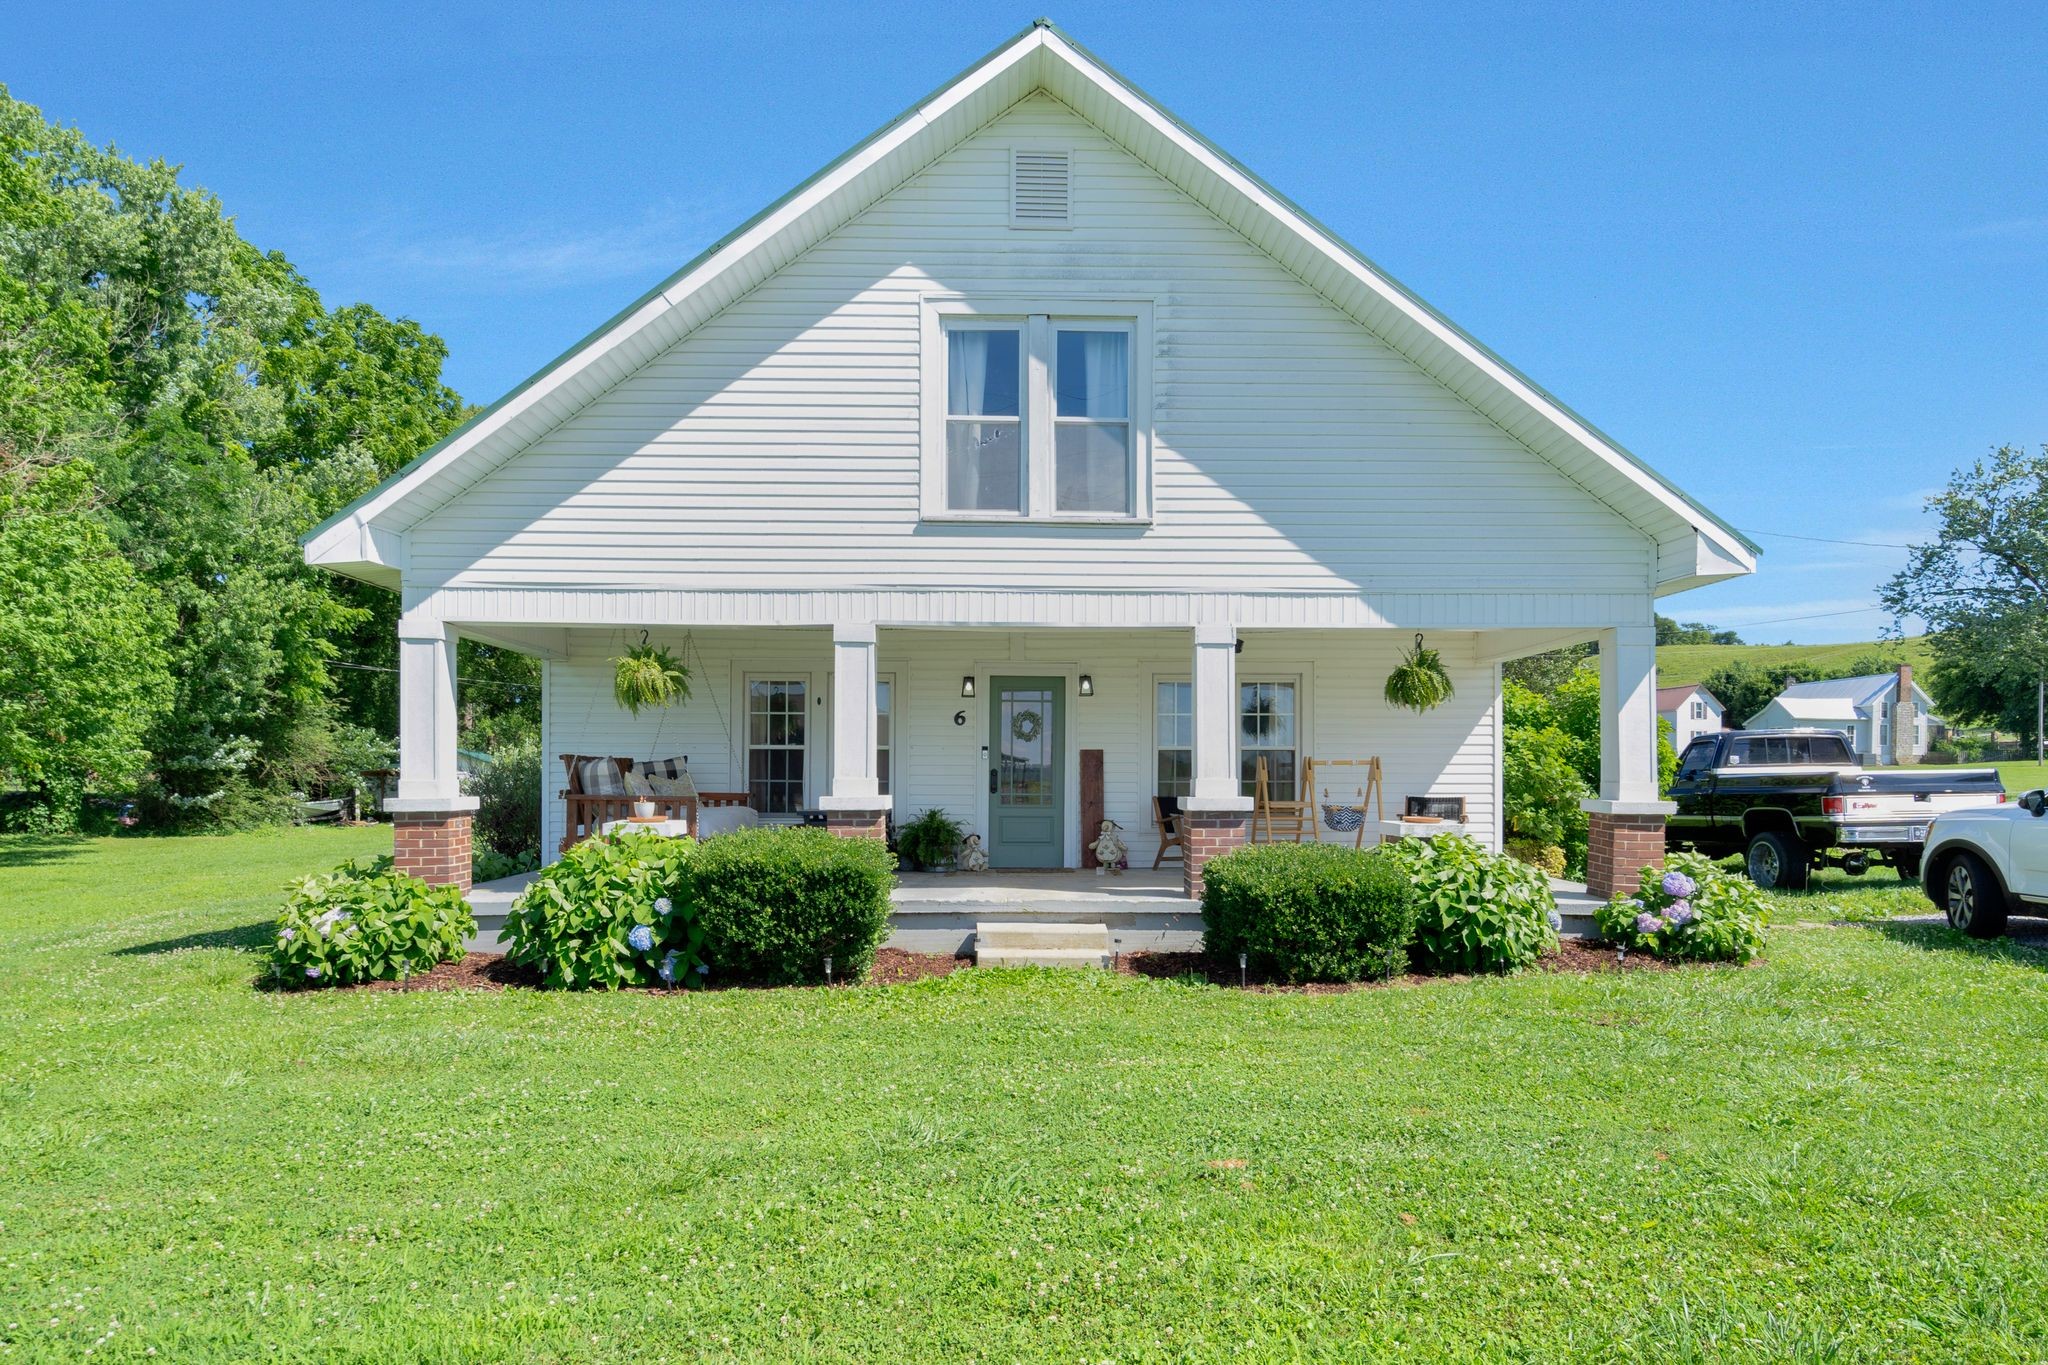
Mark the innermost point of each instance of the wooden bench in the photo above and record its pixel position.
(585, 813)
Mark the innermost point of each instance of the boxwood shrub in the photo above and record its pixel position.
(618, 910)
(775, 901)
(1308, 912)
(1690, 910)
(1480, 911)
(365, 922)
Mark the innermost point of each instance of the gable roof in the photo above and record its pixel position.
(1671, 698)
(1843, 698)
(365, 539)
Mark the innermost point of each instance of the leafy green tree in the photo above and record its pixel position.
(1982, 586)
(1670, 632)
(83, 673)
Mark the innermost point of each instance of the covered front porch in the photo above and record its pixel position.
(1030, 737)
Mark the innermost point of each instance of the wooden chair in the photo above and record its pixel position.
(1166, 818)
(1274, 820)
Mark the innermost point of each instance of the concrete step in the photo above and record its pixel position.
(1015, 944)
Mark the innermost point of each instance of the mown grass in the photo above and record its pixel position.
(1831, 1155)
(1678, 664)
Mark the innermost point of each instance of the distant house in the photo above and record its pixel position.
(1869, 708)
(1691, 711)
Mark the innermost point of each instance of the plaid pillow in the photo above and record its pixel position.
(600, 777)
(667, 777)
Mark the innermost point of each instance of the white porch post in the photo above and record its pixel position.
(854, 806)
(430, 815)
(1215, 704)
(1216, 816)
(1626, 821)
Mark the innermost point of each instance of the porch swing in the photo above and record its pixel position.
(1342, 818)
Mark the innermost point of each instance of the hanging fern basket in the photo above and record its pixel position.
(1419, 682)
(649, 675)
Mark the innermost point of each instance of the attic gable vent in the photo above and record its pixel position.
(1041, 187)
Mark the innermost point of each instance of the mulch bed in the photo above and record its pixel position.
(893, 966)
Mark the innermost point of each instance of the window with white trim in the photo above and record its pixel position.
(1268, 726)
(778, 719)
(885, 700)
(1037, 415)
(1699, 710)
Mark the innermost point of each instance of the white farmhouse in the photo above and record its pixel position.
(1874, 709)
(1690, 711)
(1033, 458)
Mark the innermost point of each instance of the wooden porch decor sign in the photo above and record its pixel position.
(1091, 803)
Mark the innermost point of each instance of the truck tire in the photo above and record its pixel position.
(1971, 897)
(1776, 862)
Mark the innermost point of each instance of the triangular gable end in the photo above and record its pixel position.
(366, 539)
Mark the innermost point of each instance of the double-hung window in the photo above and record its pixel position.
(1268, 727)
(1037, 415)
(777, 719)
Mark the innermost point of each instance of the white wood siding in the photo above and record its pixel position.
(777, 446)
(1451, 751)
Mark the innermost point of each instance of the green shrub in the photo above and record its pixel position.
(1308, 912)
(508, 800)
(365, 922)
(1545, 858)
(1690, 910)
(489, 865)
(776, 901)
(613, 911)
(1480, 911)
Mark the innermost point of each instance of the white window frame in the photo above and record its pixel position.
(1298, 680)
(1038, 319)
(894, 712)
(816, 741)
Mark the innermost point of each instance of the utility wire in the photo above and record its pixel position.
(386, 668)
(1830, 540)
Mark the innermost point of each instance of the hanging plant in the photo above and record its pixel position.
(1419, 682)
(649, 675)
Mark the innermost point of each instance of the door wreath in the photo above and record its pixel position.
(1025, 726)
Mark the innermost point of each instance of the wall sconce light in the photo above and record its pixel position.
(1238, 648)
(967, 685)
(1087, 685)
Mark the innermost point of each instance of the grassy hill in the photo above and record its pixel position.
(1689, 663)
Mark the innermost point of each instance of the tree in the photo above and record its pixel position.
(1982, 583)
(83, 673)
(1670, 632)
(1545, 673)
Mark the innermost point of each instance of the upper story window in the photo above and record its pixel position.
(1037, 415)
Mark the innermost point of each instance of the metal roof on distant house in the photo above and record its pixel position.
(1671, 698)
(1842, 698)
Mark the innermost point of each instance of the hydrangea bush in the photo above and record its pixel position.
(1480, 911)
(365, 922)
(619, 910)
(1692, 910)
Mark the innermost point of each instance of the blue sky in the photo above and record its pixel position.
(1795, 256)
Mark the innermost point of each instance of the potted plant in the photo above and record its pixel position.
(1419, 682)
(649, 675)
(930, 840)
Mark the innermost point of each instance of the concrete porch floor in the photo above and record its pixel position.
(935, 912)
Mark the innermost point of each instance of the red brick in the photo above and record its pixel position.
(1210, 835)
(433, 846)
(1619, 848)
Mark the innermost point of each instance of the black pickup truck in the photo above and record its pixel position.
(1793, 800)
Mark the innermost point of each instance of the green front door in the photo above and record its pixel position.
(1026, 785)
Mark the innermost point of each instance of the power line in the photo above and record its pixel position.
(1816, 616)
(386, 668)
(1830, 540)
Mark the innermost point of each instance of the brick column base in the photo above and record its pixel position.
(433, 846)
(1619, 848)
(1210, 834)
(858, 824)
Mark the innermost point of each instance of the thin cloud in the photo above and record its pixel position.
(538, 256)
(2008, 227)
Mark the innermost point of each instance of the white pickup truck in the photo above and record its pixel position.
(1980, 865)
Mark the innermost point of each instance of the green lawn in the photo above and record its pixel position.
(1832, 1155)
(2018, 777)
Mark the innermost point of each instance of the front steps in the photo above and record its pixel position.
(1040, 944)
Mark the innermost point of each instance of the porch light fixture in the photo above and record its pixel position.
(1087, 685)
(967, 685)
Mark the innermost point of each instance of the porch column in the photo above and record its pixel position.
(1625, 823)
(855, 807)
(1216, 816)
(430, 815)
